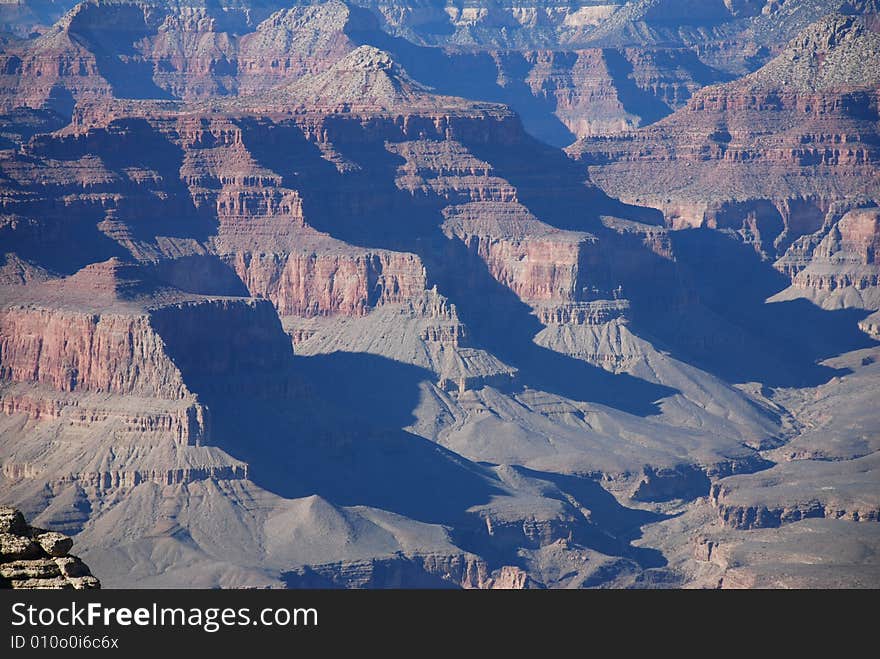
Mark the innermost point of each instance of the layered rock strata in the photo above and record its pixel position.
(766, 156)
(37, 558)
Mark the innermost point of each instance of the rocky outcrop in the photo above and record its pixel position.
(36, 558)
(871, 325)
(297, 41)
(366, 79)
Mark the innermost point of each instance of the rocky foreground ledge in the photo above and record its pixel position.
(36, 558)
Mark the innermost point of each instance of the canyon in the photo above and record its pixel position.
(308, 294)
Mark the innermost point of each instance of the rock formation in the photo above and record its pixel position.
(273, 277)
(37, 558)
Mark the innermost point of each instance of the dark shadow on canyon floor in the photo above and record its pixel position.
(366, 208)
(728, 328)
(339, 435)
(378, 392)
